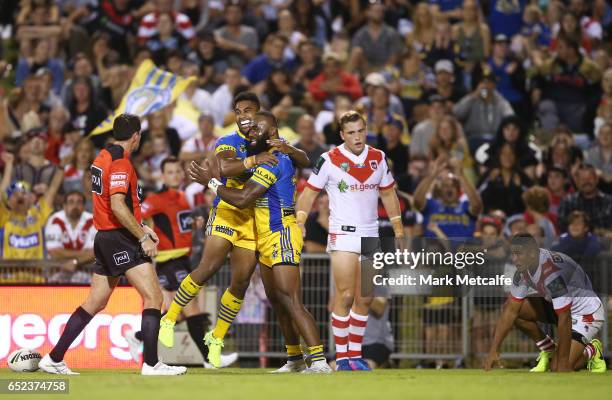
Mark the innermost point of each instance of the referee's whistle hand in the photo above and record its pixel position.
(149, 247)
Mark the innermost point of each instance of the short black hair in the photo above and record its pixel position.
(169, 160)
(524, 240)
(268, 114)
(125, 126)
(73, 192)
(246, 96)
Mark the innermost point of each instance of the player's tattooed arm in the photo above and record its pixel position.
(244, 197)
(504, 325)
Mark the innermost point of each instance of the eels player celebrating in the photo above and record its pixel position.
(564, 297)
(279, 239)
(230, 229)
(353, 175)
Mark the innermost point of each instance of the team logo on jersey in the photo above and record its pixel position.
(345, 166)
(342, 186)
(243, 147)
(374, 164)
(96, 180)
(185, 221)
(318, 165)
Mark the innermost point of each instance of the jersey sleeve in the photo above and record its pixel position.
(119, 176)
(519, 288)
(266, 175)
(320, 174)
(225, 144)
(53, 236)
(387, 181)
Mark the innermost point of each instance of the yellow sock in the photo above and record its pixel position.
(185, 293)
(316, 353)
(228, 309)
(294, 352)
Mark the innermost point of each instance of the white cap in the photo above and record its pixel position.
(444, 65)
(375, 79)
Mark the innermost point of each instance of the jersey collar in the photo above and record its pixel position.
(360, 159)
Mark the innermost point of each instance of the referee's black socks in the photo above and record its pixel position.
(196, 324)
(150, 331)
(75, 325)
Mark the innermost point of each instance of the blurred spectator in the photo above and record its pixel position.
(80, 67)
(331, 130)
(198, 147)
(309, 22)
(596, 205)
(158, 127)
(421, 38)
(85, 109)
(417, 170)
(278, 87)
(317, 226)
(309, 142)
(411, 82)
(37, 20)
(239, 41)
(511, 131)
(448, 141)
(536, 212)
(376, 45)
(58, 118)
(22, 217)
(570, 28)
(199, 98)
(69, 233)
(390, 141)
(506, 17)
(80, 162)
(165, 38)
(556, 185)
(334, 80)
(272, 59)
(502, 186)
(472, 35)
(149, 26)
(210, 59)
(454, 215)
(482, 111)
(308, 63)
(578, 242)
(24, 108)
(448, 8)
(510, 76)
(445, 85)
(424, 130)
(287, 29)
(373, 81)
(35, 170)
(223, 96)
(600, 156)
(567, 89)
(379, 114)
(114, 21)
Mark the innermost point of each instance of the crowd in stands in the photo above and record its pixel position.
(495, 115)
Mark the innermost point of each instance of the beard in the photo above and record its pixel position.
(259, 146)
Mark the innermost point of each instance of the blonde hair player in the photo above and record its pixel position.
(354, 175)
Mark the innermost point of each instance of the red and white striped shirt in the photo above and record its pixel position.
(59, 233)
(148, 26)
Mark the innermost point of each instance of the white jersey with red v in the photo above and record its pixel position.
(353, 183)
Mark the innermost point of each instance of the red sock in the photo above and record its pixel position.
(357, 326)
(589, 350)
(546, 344)
(340, 327)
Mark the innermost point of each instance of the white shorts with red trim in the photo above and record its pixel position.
(343, 242)
(588, 325)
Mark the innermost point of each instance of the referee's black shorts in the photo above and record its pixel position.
(116, 251)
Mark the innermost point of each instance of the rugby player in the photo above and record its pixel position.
(279, 240)
(122, 246)
(230, 229)
(564, 297)
(169, 214)
(353, 175)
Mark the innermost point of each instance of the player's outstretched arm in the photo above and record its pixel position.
(505, 322)
(564, 332)
(230, 166)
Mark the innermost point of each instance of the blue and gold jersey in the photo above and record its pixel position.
(237, 143)
(275, 210)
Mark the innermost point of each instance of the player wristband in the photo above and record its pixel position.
(398, 227)
(301, 217)
(145, 237)
(213, 184)
(249, 162)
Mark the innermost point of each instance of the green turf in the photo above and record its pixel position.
(256, 384)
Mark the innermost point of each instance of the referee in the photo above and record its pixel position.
(122, 246)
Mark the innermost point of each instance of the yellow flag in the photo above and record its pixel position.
(151, 89)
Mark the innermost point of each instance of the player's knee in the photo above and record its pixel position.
(239, 287)
(153, 299)
(346, 297)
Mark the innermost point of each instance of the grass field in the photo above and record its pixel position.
(257, 384)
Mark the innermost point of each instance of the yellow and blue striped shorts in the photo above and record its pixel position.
(281, 248)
